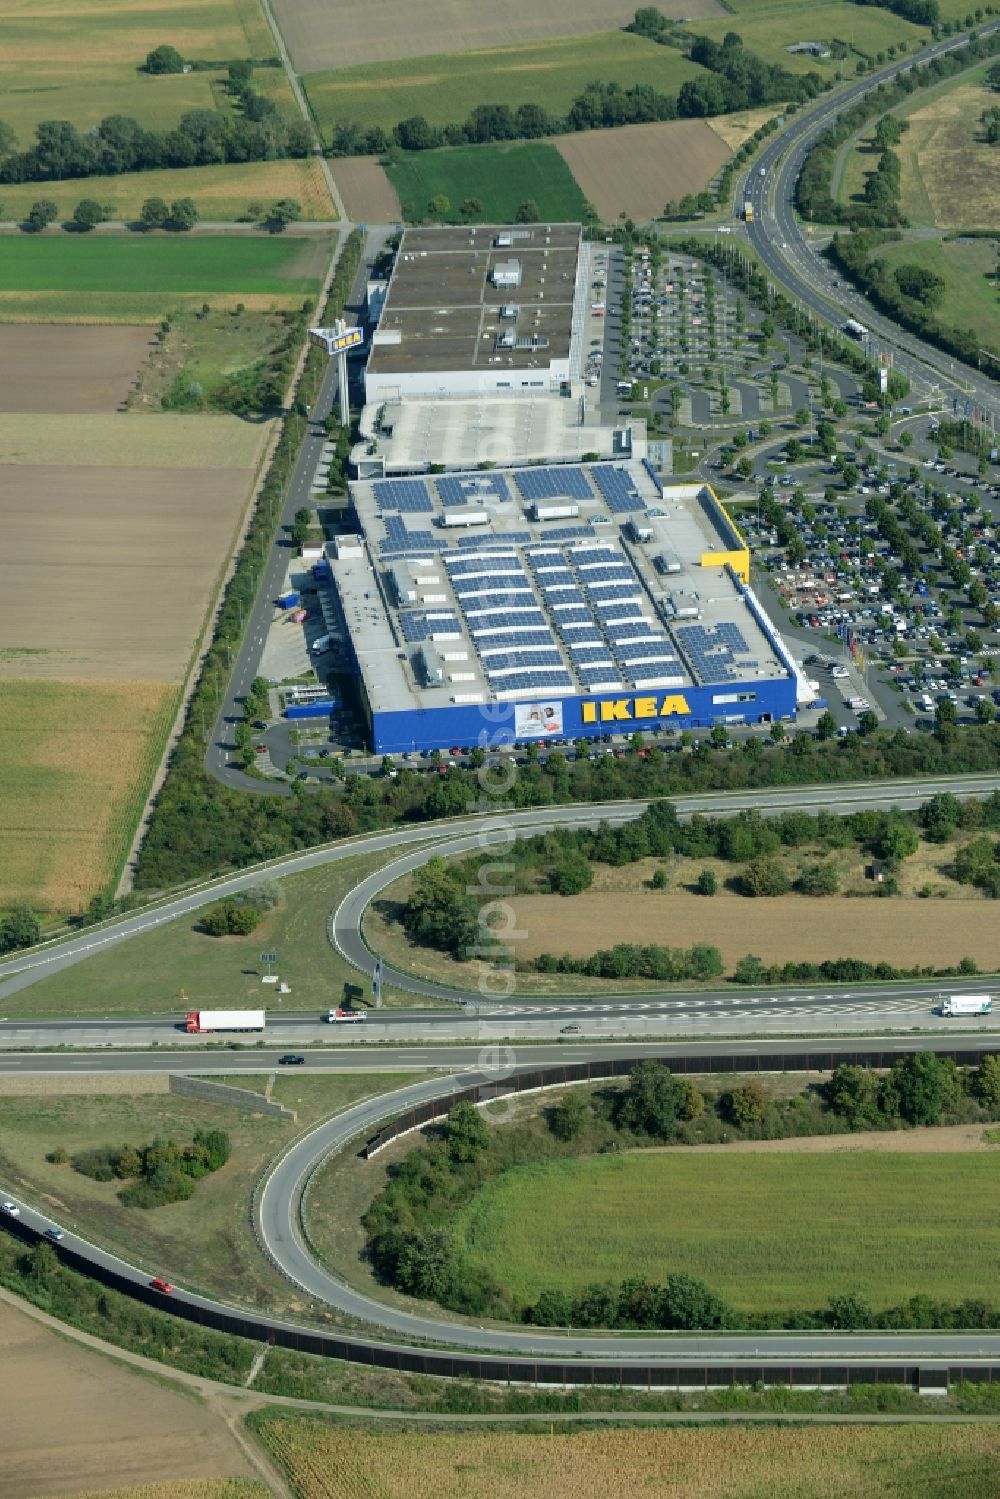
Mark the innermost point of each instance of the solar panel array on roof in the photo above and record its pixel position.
(403, 494)
(538, 680)
(503, 663)
(417, 626)
(509, 538)
(553, 483)
(460, 566)
(499, 641)
(618, 488)
(400, 542)
(463, 489)
(712, 652)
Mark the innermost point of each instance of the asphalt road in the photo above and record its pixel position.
(22, 970)
(279, 1227)
(782, 245)
(298, 493)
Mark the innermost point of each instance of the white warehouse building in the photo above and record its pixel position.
(481, 310)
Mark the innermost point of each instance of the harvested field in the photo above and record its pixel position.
(368, 195)
(326, 1462)
(191, 1488)
(75, 1421)
(59, 370)
(785, 929)
(76, 758)
(734, 129)
(946, 165)
(324, 34)
(639, 168)
(221, 193)
(109, 570)
(174, 441)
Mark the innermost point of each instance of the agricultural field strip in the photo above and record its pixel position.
(324, 34)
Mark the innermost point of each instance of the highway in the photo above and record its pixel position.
(509, 1352)
(784, 247)
(487, 830)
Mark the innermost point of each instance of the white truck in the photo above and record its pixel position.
(967, 1004)
(343, 1017)
(320, 645)
(206, 1022)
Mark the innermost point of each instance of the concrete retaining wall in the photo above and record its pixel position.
(224, 1093)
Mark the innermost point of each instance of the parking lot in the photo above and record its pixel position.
(895, 573)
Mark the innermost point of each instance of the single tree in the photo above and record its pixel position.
(284, 211)
(87, 214)
(183, 214)
(164, 59)
(154, 214)
(43, 212)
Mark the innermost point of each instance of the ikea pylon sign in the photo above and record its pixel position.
(629, 709)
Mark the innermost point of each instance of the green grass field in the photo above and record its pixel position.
(78, 60)
(765, 1231)
(769, 26)
(445, 88)
(164, 264)
(969, 269)
(147, 974)
(501, 177)
(206, 1241)
(221, 193)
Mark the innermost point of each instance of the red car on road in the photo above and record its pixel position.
(159, 1284)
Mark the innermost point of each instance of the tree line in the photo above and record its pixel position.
(734, 78)
(203, 137)
(409, 1226)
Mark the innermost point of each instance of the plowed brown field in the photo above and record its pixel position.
(75, 1421)
(64, 369)
(639, 168)
(368, 195)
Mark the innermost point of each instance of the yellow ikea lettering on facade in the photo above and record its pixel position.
(617, 710)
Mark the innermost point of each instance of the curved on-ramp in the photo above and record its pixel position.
(420, 1344)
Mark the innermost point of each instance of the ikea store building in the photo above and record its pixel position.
(551, 603)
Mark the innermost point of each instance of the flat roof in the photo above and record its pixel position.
(443, 311)
(474, 588)
(463, 431)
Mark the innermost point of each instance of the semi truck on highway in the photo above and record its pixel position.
(854, 329)
(207, 1022)
(340, 1017)
(967, 1004)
